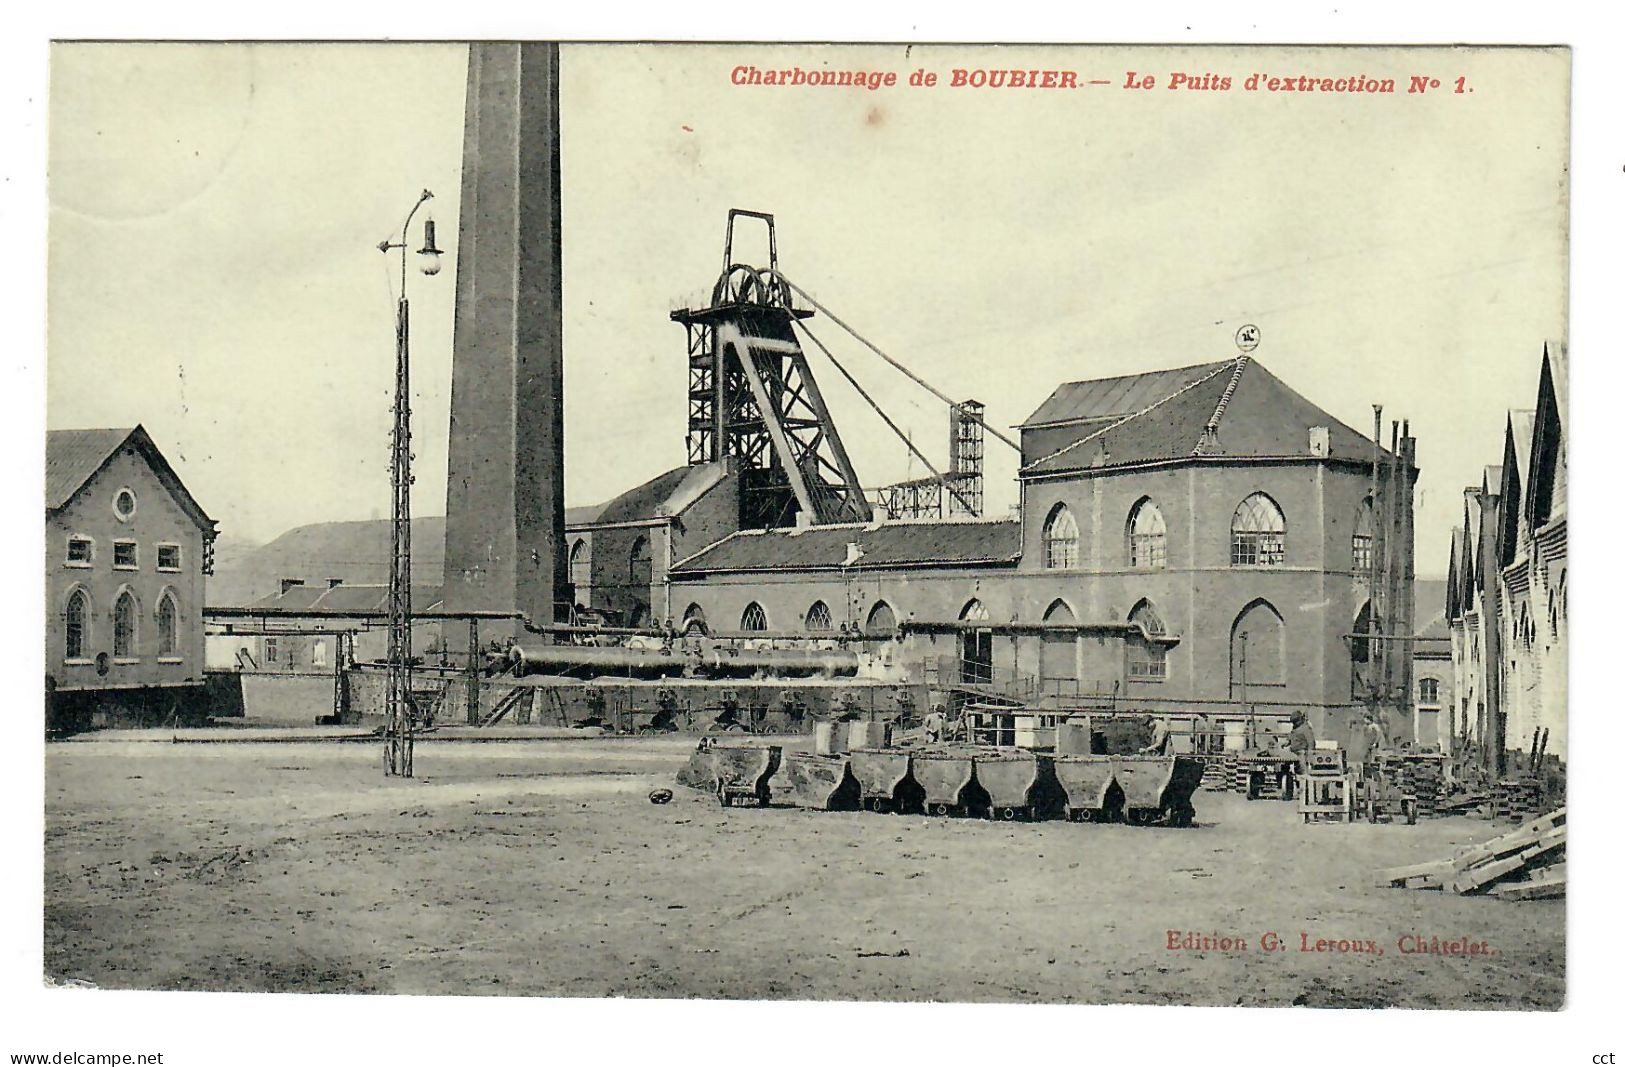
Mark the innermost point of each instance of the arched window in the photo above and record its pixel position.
(580, 569)
(1257, 533)
(168, 625)
(818, 617)
(1362, 651)
(1365, 525)
(77, 620)
(1058, 651)
(693, 618)
(641, 570)
(1147, 537)
(1427, 691)
(975, 646)
(124, 624)
(1060, 539)
(1147, 659)
(882, 620)
(754, 618)
(1257, 650)
(1365, 624)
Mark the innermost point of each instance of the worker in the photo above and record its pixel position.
(1301, 741)
(1158, 745)
(1202, 734)
(1375, 741)
(934, 723)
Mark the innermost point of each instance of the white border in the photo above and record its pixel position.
(207, 1029)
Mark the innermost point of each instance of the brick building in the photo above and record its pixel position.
(619, 553)
(127, 550)
(1196, 539)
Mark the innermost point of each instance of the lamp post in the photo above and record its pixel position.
(398, 709)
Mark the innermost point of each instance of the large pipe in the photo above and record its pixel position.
(714, 661)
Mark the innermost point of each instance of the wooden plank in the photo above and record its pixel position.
(1426, 881)
(1432, 868)
(1534, 889)
(1498, 870)
(1507, 844)
(1472, 880)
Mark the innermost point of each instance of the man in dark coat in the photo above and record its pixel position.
(1301, 741)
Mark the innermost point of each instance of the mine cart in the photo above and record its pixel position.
(879, 773)
(701, 770)
(1158, 788)
(742, 772)
(807, 780)
(1086, 782)
(943, 774)
(1010, 776)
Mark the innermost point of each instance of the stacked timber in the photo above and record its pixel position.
(1517, 798)
(1218, 771)
(1528, 863)
(1419, 775)
(1467, 802)
(1241, 770)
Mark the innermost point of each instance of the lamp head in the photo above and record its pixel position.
(429, 254)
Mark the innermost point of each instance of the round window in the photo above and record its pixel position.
(124, 504)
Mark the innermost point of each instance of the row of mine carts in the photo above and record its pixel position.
(952, 779)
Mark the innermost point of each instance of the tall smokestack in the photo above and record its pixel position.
(505, 482)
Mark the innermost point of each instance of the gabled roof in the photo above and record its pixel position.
(907, 543)
(1547, 477)
(1427, 606)
(319, 599)
(663, 496)
(1114, 398)
(1454, 576)
(1514, 470)
(1235, 408)
(74, 457)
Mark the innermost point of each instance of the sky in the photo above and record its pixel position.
(215, 211)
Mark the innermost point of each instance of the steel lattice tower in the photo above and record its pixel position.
(753, 400)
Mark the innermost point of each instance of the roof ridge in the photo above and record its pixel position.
(1129, 418)
(1211, 430)
(1210, 364)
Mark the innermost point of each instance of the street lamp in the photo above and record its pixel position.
(398, 696)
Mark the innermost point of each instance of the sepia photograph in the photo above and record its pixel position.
(990, 524)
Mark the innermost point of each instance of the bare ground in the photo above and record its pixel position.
(540, 868)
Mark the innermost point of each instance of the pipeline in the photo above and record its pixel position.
(711, 661)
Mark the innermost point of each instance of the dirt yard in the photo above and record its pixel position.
(540, 868)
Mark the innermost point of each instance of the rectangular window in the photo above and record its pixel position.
(1147, 661)
(80, 550)
(1150, 551)
(124, 555)
(270, 650)
(169, 557)
(1362, 553)
(1257, 549)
